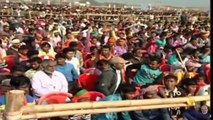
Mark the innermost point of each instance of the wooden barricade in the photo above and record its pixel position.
(15, 109)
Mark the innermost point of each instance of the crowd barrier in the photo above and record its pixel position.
(15, 109)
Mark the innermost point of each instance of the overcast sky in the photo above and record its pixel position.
(178, 3)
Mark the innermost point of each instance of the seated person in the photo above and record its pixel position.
(190, 113)
(148, 73)
(150, 92)
(171, 90)
(5, 86)
(125, 91)
(19, 83)
(205, 110)
(81, 96)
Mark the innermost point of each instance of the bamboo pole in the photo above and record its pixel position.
(105, 104)
(14, 103)
(97, 111)
(181, 60)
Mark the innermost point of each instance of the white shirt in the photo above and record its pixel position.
(118, 72)
(76, 63)
(42, 84)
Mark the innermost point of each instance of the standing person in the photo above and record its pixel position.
(67, 69)
(111, 77)
(48, 80)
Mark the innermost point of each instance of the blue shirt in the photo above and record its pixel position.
(68, 70)
(146, 75)
(29, 99)
(112, 116)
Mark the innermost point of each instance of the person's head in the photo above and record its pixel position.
(118, 62)
(45, 47)
(179, 48)
(94, 40)
(190, 85)
(73, 45)
(162, 35)
(121, 42)
(194, 41)
(5, 86)
(81, 96)
(102, 65)
(20, 83)
(35, 63)
(56, 33)
(200, 78)
(204, 109)
(111, 42)
(16, 43)
(6, 28)
(149, 92)
(32, 54)
(60, 58)
(105, 51)
(138, 52)
(127, 91)
(48, 66)
(69, 52)
(94, 50)
(23, 50)
(17, 70)
(154, 62)
(195, 53)
(170, 81)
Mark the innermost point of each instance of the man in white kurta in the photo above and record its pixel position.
(48, 80)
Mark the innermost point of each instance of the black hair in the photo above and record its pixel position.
(102, 62)
(36, 59)
(31, 53)
(193, 51)
(155, 58)
(66, 50)
(170, 76)
(106, 47)
(126, 88)
(23, 47)
(135, 50)
(200, 75)
(127, 56)
(18, 68)
(93, 48)
(73, 44)
(60, 55)
(189, 81)
(17, 81)
(44, 44)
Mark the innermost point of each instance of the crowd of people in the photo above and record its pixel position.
(133, 59)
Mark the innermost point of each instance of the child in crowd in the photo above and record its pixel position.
(172, 91)
(19, 83)
(190, 113)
